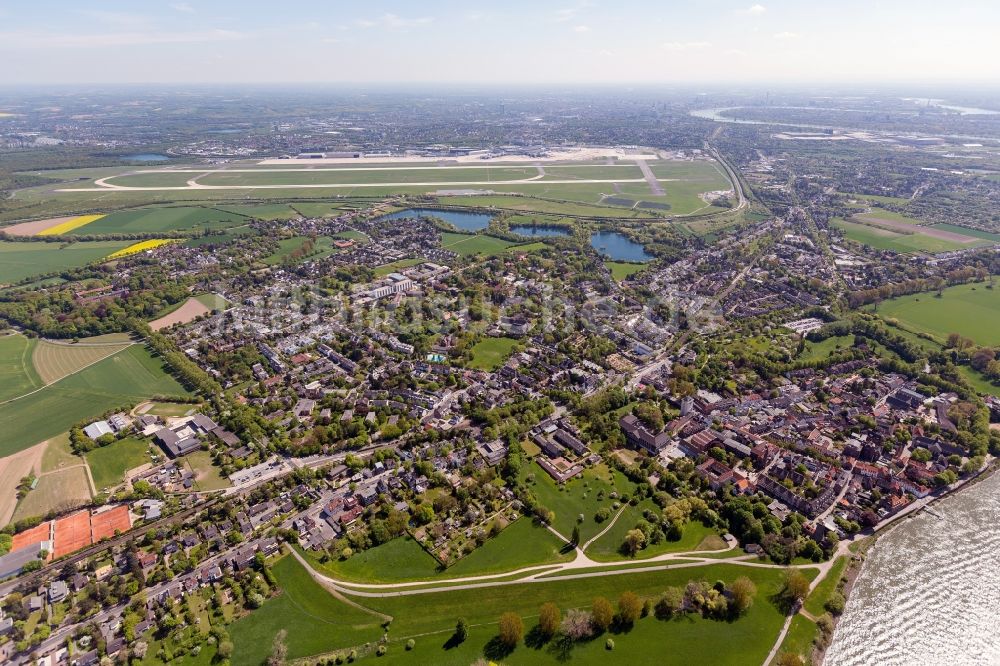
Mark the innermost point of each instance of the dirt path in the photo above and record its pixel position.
(12, 469)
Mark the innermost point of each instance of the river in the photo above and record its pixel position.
(929, 591)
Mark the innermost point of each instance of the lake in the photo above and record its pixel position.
(460, 219)
(531, 230)
(618, 246)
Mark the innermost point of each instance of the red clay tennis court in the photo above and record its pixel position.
(72, 533)
(105, 523)
(29, 537)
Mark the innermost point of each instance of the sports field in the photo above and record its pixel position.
(108, 464)
(126, 377)
(491, 353)
(56, 491)
(973, 310)
(19, 261)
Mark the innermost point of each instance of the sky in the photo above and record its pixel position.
(499, 42)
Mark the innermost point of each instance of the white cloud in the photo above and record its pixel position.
(786, 36)
(686, 46)
(581, 28)
(567, 14)
(755, 10)
(28, 40)
(391, 21)
(183, 7)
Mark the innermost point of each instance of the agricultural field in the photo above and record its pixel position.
(905, 237)
(108, 464)
(19, 261)
(141, 246)
(55, 360)
(167, 218)
(17, 372)
(491, 353)
(972, 310)
(122, 379)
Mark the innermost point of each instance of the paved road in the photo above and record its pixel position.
(655, 188)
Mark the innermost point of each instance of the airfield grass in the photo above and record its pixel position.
(127, 377)
(108, 464)
(55, 491)
(972, 310)
(315, 621)
(323, 247)
(53, 360)
(17, 372)
(582, 495)
(607, 548)
(21, 260)
(342, 177)
(491, 353)
(621, 270)
(166, 218)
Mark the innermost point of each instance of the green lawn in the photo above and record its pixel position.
(521, 544)
(825, 589)
(468, 244)
(316, 622)
(621, 270)
(687, 640)
(606, 549)
(491, 353)
(212, 301)
(127, 377)
(323, 247)
(401, 559)
(820, 350)
(22, 260)
(578, 496)
(885, 239)
(17, 372)
(207, 475)
(108, 464)
(800, 636)
(972, 310)
(384, 270)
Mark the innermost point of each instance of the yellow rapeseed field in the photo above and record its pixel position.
(70, 225)
(141, 247)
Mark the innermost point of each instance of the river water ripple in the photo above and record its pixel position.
(929, 592)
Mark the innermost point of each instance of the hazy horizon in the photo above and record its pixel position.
(586, 43)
